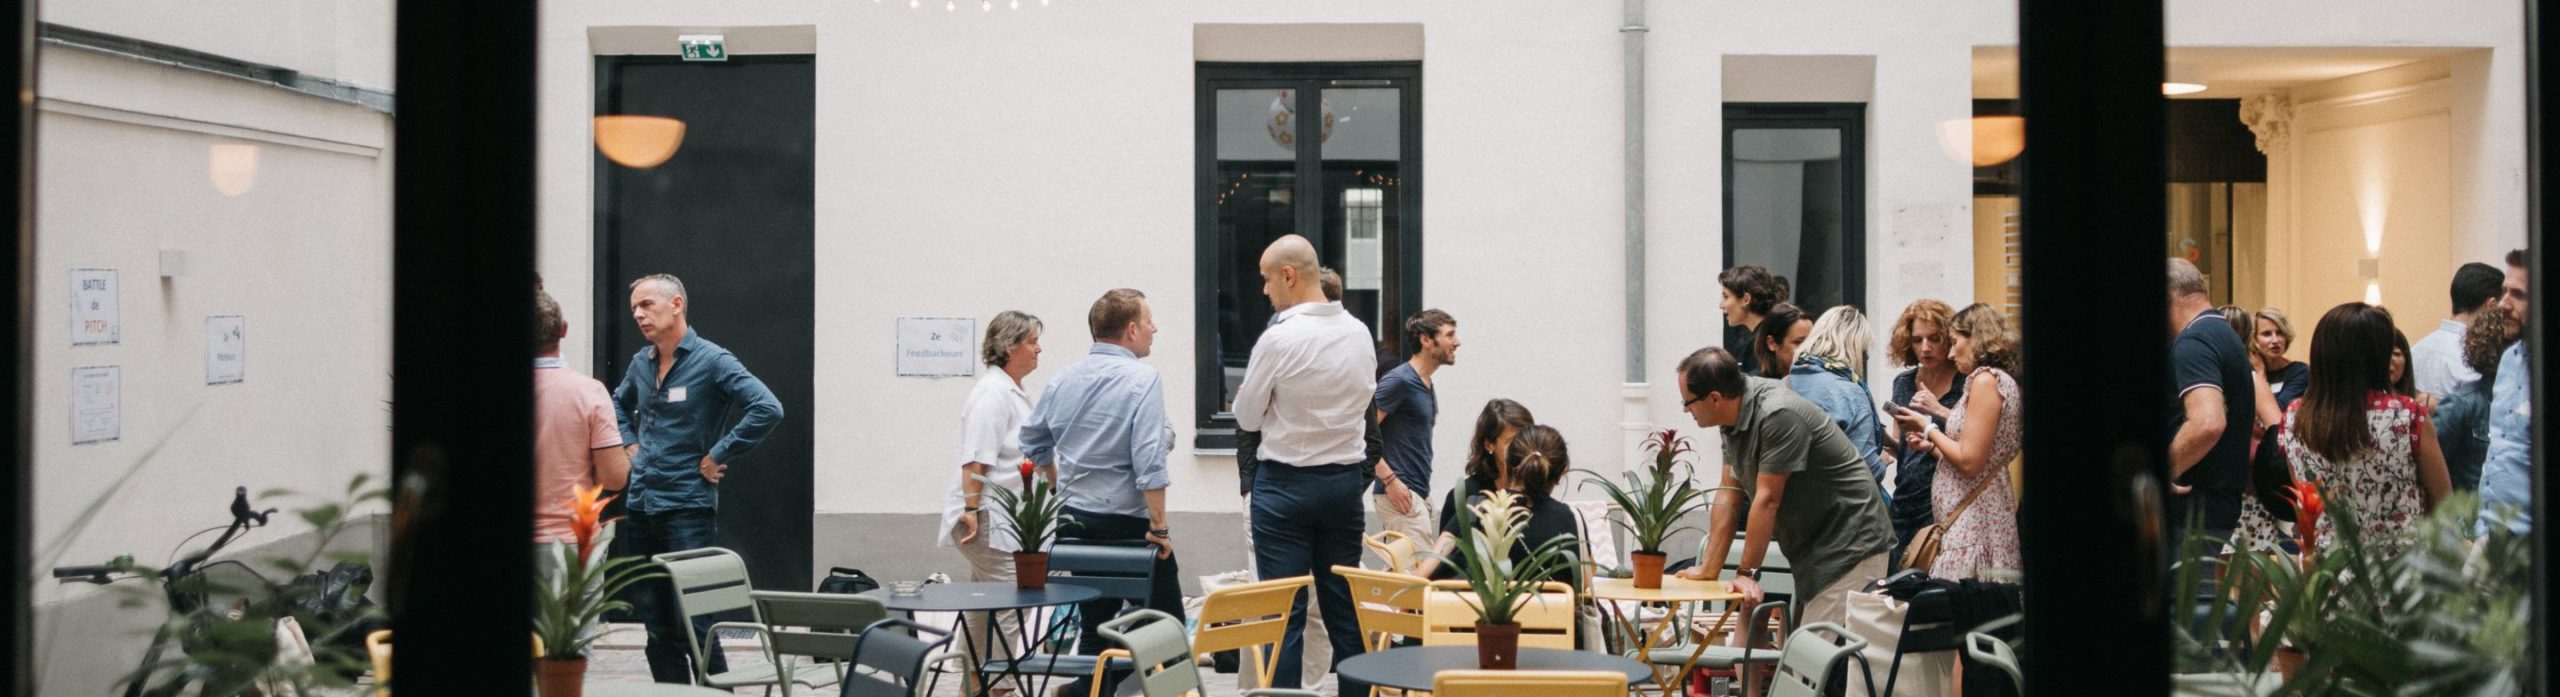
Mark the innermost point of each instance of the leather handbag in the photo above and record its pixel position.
(1926, 543)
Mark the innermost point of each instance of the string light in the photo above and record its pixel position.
(986, 5)
(950, 5)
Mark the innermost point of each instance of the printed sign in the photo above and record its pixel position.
(937, 347)
(226, 344)
(97, 414)
(93, 307)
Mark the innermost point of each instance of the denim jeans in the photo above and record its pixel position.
(1164, 596)
(1306, 520)
(659, 532)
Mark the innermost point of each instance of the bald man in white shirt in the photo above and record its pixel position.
(1307, 390)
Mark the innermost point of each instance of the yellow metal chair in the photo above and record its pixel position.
(1396, 548)
(1546, 621)
(1529, 683)
(1252, 617)
(1389, 605)
(378, 644)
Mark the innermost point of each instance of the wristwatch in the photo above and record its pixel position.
(1751, 573)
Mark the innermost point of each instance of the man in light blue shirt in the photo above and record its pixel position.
(1101, 424)
(2506, 475)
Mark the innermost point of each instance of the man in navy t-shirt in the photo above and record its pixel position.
(1407, 409)
(2209, 412)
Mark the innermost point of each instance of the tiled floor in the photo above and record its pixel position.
(618, 658)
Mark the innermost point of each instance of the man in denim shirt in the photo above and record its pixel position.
(671, 403)
(2506, 476)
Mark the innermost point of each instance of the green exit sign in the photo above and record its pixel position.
(704, 47)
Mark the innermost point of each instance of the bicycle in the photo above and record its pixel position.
(191, 585)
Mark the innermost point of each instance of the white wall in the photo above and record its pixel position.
(123, 149)
(1054, 144)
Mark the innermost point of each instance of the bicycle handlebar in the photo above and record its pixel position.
(92, 574)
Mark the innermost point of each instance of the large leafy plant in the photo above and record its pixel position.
(1033, 511)
(1653, 510)
(1497, 586)
(2430, 613)
(570, 603)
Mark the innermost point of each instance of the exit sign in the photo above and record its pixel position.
(704, 47)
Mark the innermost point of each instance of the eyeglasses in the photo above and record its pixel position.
(1684, 404)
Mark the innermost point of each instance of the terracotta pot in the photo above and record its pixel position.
(1648, 569)
(561, 677)
(1030, 570)
(1497, 646)
(2289, 661)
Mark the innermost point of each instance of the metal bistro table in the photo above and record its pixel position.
(648, 689)
(991, 597)
(1413, 667)
(1675, 591)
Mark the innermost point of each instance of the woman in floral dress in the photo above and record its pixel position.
(1982, 436)
(2369, 447)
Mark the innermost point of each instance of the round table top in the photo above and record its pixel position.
(1413, 667)
(979, 596)
(1674, 590)
(647, 689)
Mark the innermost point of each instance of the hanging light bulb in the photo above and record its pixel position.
(1017, 4)
(913, 4)
(950, 5)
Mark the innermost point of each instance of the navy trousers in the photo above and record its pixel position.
(659, 532)
(1305, 521)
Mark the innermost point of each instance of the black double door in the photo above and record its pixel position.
(732, 214)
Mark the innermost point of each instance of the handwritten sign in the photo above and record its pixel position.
(226, 344)
(935, 347)
(97, 414)
(94, 317)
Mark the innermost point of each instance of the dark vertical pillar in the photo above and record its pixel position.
(462, 381)
(2094, 202)
(2540, 27)
(17, 353)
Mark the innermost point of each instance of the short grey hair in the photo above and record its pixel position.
(1841, 335)
(2184, 279)
(668, 282)
(1006, 331)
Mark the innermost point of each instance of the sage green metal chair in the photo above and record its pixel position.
(1760, 636)
(1805, 665)
(1166, 667)
(1991, 651)
(822, 626)
(710, 581)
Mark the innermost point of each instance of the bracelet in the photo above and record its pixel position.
(1752, 573)
(1160, 532)
(971, 509)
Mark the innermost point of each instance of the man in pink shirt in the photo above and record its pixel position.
(576, 442)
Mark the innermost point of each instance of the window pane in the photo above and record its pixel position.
(1256, 203)
(1362, 186)
(1787, 208)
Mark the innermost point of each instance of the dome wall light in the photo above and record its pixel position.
(638, 142)
(1984, 141)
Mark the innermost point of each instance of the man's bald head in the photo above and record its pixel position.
(1289, 272)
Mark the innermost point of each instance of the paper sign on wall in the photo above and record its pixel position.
(226, 344)
(97, 414)
(93, 307)
(936, 347)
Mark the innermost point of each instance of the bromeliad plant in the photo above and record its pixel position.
(1497, 586)
(1652, 510)
(570, 603)
(1033, 511)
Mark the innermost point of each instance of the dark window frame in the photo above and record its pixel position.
(1402, 294)
(1850, 118)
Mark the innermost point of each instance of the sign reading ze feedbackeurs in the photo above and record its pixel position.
(937, 347)
(226, 349)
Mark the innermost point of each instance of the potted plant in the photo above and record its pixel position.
(569, 603)
(1033, 515)
(1652, 510)
(1498, 586)
(2433, 612)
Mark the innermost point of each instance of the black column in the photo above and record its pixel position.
(2540, 27)
(2094, 290)
(17, 354)
(462, 318)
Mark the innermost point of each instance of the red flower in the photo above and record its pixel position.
(1026, 468)
(2307, 509)
(586, 513)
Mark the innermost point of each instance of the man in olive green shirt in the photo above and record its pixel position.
(1804, 479)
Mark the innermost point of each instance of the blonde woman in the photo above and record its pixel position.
(991, 447)
(1971, 496)
(1830, 371)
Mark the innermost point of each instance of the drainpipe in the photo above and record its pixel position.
(1635, 396)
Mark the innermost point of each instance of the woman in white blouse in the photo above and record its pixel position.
(991, 447)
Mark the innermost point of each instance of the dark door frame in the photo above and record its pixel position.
(1851, 120)
(1402, 294)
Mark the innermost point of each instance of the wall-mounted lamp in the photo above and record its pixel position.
(638, 142)
(1983, 140)
(175, 263)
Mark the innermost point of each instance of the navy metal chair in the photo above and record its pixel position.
(896, 653)
(1119, 570)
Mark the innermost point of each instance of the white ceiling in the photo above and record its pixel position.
(2226, 72)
